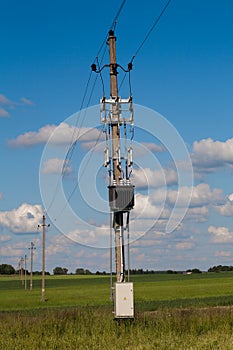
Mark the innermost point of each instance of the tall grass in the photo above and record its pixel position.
(89, 328)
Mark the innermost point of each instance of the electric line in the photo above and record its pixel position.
(151, 29)
(73, 143)
(77, 184)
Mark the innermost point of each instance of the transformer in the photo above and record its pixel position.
(121, 197)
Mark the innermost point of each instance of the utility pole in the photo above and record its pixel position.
(118, 216)
(25, 271)
(31, 270)
(43, 257)
(21, 269)
(116, 114)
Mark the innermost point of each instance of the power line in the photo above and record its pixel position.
(151, 29)
(72, 143)
(82, 173)
(74, 138)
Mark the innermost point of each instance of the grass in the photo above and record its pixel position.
(95, 329)
(171, 312)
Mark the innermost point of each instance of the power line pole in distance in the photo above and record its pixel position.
(43, 257)
(31, 249)
(25, 271)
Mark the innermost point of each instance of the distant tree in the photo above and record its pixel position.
(6, 269)
(80, 271)
(60, 271)
(220, 268)
(194, 271)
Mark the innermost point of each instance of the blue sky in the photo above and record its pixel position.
(184, 72)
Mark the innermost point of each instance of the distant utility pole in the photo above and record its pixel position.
(43, 257)
(25, 271)
(31, 249)
(21, 270)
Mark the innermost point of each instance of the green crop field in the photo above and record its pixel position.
(171, 312)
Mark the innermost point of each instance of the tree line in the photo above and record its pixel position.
(220, 268)
(6, 269)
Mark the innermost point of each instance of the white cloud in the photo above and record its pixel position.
(153, 147)
(154, 178)
(92, 236)
(227, 208)
(197, 214)
(24, 219)
(220, 234)
(201, 195)
(11, 251)
(55, 166)
(5, 101)
(222, 254)
(3, 113)
(209, 154)
(5, 238)
(58, 135)
(26, 101)
(145, 207)
(187, 245)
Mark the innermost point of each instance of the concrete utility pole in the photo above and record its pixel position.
(43, 257)
(118, 216)
(25, 271)
(21, 270)
(117, 116)
(31, 249)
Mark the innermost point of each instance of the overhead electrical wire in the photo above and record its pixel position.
(92, 90)
(151, 30)
(75, 136)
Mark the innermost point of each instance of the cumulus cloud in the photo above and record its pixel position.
(58, 135)
(145, 206)
(24, 219)
(147, 177)
(57, 248)
(201, 195)
(220, 234)
(209, 154)
(89, 236)
(227, 208)
(163, 200)
(197, 214)
(56, 165)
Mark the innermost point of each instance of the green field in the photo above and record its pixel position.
(171, 312)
